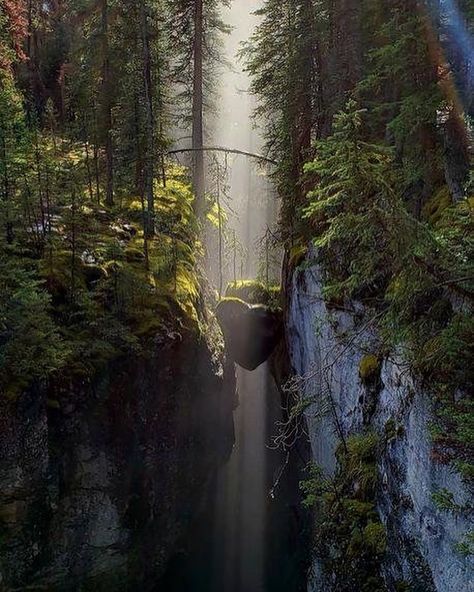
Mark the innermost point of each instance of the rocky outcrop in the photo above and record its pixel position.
(100, 481)
(330, 350)
(251, 332)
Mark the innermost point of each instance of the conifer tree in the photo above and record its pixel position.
(284, 59)
(195, 28)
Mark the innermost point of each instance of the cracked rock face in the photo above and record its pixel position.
(251, 332)
(421, 537)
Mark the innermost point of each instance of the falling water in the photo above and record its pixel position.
(244, 540)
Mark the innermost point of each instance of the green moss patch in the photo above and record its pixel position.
(255, 292)
(297, 255)
(434, 208)
(350, 539)
(369, 368)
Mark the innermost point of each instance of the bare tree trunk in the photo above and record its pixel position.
(150, 124)
(198, 141)
(40, 190)
(235, 257)
(95, 155)
(73, 245)
(6, 192)
(345, 52)
(139, 181)
(221, 238)
(33, 222)
(88, 165)
(267, 262)
(107, 107)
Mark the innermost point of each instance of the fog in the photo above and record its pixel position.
(248, 197)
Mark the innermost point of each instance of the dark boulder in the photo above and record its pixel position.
(251, 332)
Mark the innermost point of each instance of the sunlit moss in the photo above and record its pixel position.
(254, 292)
(297, 255)
(232, 299)
(133, 254)
(375, 537)
(114, 290)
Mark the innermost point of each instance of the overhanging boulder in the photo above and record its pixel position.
(251, 332)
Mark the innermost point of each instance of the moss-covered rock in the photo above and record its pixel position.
(93, 274)
(375, 537)
(133, 254)
(255, 292)
(297, 255)
(350, 539)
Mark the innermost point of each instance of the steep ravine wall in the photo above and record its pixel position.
(327, 346)
(99, 482)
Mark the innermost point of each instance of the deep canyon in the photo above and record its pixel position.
(236, 296)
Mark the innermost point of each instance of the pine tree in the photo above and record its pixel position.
(284, 59)
(352, 204)
(195, 29)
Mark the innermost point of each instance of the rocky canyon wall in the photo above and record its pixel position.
(100, 481)
(328, 349)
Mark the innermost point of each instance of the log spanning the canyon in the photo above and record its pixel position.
(259, 157)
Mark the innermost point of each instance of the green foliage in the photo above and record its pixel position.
(179, 29)
(375, 536)
(434, 207)
(374, 250)
(350, 539)
(314, 486)
(400, 84)
(31, 347)
(297, 255)
(444, 500)
(280, 59)
(351, 201)
(465, 468)
(84, 293)
(466, 546)
(359, 458)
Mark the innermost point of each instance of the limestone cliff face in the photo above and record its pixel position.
(327, 347)
(99, 481)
